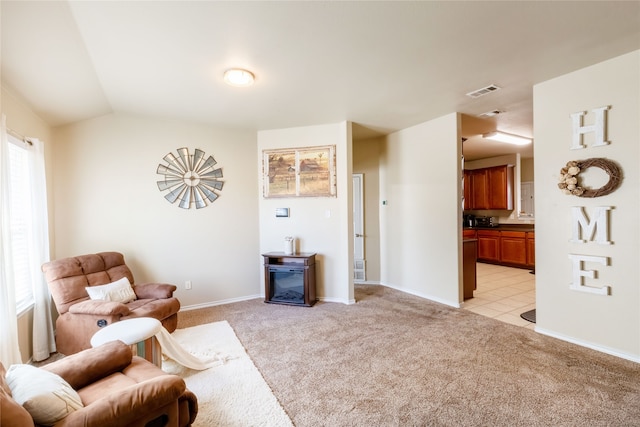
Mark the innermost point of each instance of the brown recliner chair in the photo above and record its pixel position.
(116, 389)
(80, 317)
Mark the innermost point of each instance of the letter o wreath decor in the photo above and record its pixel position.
(570, 184)
(191, 179)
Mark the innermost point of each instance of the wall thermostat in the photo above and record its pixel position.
(282, 212)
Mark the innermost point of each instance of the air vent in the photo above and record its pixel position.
(481, 92)
(491, 113)
(359, 271)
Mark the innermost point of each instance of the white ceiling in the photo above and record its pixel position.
(382, 65)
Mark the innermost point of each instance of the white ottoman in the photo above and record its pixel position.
(139, 333)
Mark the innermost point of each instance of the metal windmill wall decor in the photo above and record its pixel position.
(191, 179)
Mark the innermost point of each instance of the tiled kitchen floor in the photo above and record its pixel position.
(503, 293)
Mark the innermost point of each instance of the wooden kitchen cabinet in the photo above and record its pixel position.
(531, 248)
(469, 258)
(489, 188)
(479, 189)
(468, 234)
(489, 245)
(467, 189)
(513, 247)
(507, 247)
(500, 187)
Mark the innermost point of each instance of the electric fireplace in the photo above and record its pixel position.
(290, 279)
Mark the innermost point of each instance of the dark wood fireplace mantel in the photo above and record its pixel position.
(290, 279)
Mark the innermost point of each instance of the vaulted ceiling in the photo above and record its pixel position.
(383, 65)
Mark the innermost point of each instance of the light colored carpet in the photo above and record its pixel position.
(233, 393)
(393, 359)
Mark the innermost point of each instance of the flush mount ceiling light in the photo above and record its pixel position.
(508, 138)
(491, 113)
(238, 77)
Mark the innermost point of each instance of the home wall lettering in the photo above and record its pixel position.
(593, 227)
(599, 127)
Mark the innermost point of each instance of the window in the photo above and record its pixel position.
(21, 221)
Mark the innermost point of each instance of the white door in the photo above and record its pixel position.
(359, 268)
(527, 202)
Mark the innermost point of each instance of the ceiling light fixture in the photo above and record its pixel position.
(491, 113)
(508, 138)
(238, 77)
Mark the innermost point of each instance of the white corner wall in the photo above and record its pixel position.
(420, 210)
(609, 323)
(322, 225)
(106, 198)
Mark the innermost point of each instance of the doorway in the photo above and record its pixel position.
(503, 293)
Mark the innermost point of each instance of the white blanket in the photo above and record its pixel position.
(173, 350)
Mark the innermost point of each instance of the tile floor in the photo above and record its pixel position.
(503, 293)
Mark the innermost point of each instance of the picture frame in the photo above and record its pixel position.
(300, 172)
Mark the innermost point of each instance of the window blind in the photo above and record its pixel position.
(21, 220)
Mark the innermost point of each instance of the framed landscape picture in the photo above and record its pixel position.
(300, 172)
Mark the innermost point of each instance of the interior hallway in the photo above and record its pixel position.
(503, 293)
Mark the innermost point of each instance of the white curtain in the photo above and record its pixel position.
(43, 338)
(9, 346)
(38, 253)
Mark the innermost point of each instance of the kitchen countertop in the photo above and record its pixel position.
(506, 227)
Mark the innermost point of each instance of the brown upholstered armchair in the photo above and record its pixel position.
(116, 389)
(80, 317)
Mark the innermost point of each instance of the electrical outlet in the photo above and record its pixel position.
(187, 284)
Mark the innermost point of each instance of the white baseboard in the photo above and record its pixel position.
(232, 300)
(425, 296)
(221, 302)
(367, 282)
(602, 349)
(250, 297)
(338, 300)
(325, 299)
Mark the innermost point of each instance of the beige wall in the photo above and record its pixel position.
(420, 237)
(366, 160)
(23, 120)
(107, 199)
(526, 170)
(610, 323)
(320, 224)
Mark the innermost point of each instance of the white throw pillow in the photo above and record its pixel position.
(120, 291)
(45, 395)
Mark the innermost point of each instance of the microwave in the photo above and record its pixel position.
(487, 221)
